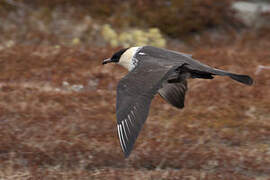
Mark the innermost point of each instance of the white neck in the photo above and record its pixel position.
(126, 60)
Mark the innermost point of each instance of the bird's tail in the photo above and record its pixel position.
(203, 71)
(245, 79)
(241, 78)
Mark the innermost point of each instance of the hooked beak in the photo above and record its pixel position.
(106, 61)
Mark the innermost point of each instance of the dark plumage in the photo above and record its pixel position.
(154, 70)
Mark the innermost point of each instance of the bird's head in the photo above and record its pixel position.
(115, 57)
(124, 57)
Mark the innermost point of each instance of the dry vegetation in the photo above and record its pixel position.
(50, 131)
(57, 107)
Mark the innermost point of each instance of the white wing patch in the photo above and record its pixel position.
(133, 114)
(127, 126)
(125, 130)
(130, 120)
(119, 136)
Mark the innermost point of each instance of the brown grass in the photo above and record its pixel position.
(50, 131)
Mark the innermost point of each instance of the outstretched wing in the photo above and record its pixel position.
(134, 95)
(174, 93)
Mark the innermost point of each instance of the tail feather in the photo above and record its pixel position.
(245, 79)
(242, 78)
(206, 72)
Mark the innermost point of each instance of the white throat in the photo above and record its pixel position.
(127, 59)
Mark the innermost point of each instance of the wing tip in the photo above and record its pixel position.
(126, 153)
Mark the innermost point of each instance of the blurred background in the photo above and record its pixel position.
(57, 102)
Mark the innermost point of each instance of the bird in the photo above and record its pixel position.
(154, 71)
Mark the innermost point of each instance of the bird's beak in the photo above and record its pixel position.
(107, 61)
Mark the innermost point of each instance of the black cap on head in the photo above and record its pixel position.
(116, 56)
